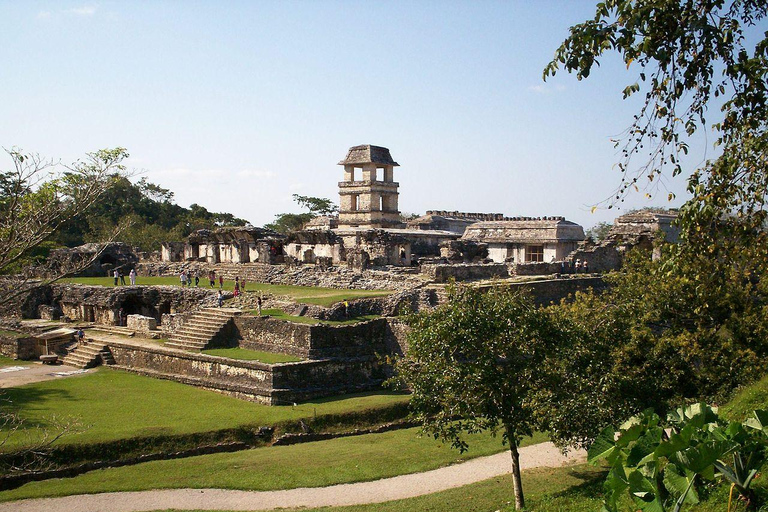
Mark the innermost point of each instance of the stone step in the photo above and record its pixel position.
(206, 322)
(185, 346)
(190, 337)
(201, 328)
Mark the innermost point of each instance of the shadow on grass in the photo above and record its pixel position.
(21, 401)
(379, 392)
(591, 486)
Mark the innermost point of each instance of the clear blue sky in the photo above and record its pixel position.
(238, 105)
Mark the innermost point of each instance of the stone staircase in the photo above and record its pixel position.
(88, 355)
(200, 330)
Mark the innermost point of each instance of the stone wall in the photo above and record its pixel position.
(252, 380)
(142, 323)
(18, 347)
(549, 291)
(302, 275)
(537, 268)
(101, 304)
(317, 341)
(442, 273)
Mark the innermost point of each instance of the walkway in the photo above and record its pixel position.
(28, 373)
(378, 491)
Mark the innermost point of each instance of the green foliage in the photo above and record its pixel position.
(663, 333)
(287, 222)
(316, 205)
(664, 466)
(690, 52)
(599, 231)
(147, 213)
(473, 365)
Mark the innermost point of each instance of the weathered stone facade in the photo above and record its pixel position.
(103, 258)
(455, 222)
(102, 304)
(527, 239)
(227, 245)
(268, 384)
(370, 202)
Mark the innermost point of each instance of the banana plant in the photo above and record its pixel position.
(665, 465)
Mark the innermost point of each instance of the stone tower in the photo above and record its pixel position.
(370, 201)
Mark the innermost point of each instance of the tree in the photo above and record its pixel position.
(38, 197)
(472, 366)
(690, 53)
(599, 231)
(315, 205)
(287, 222)
(655, 338)
(691, 325)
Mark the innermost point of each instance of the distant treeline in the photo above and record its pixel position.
(148, 213)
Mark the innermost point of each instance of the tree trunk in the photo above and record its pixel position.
(517, 483)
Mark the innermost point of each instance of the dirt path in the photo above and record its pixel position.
(388, 489)
(27, 373)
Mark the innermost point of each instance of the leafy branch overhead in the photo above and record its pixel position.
(687, 54)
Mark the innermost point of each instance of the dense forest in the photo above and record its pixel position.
(145, 211)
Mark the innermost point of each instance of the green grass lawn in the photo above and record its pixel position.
(350, 459)
(7, 361)
(11, 334)
(251, 355)
(115, 405)
(305, 294)
(282, 315)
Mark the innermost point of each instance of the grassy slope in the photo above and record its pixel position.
(571, 489)
(305, 294)
(7, 361)
(350, 459)
(116, 405)
(251, 355)
(281, 315)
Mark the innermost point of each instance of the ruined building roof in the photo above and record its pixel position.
(525, 230)
(367, 154)
(632, 227)
(232, 234)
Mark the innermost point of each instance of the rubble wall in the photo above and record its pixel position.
(18, 347)
(442, 273)
(302, 275)
(252, 380)
(550, 291)
(312, 341)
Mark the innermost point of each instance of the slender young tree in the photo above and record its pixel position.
(472, 366)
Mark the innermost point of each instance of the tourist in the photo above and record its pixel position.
(577, 266)
(132, 276)
(402, 257)
(585, 266)
(116, 275)
(221, 282)
(258, 304)
(80, 336)
(122, 278)
(346, 308)
(183, 278)
(220, 298)
(212, 278)
(197, 278)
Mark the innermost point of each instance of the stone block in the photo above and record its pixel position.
(142, 323)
